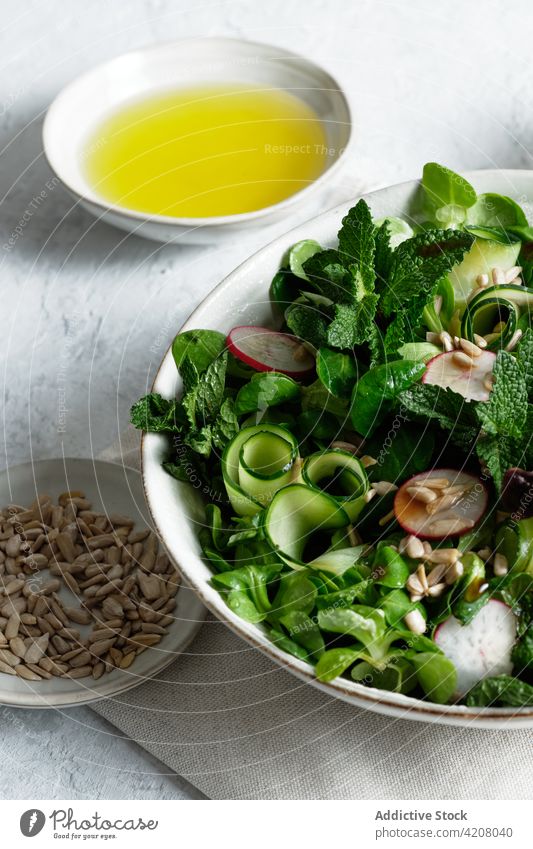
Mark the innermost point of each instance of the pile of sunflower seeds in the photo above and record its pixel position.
(122, 590)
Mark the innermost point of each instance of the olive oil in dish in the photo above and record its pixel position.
(211, 150)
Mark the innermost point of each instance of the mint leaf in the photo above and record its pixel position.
(448, 408)
(200, 440)
(308, 323)
(202, 401)
(504, 414)
(350, 325)
(500, 690)
(155, 414)
(330, 276)
(189, 374)
(346, 277)
(496, 453)
(419, 264)
(417, 267)
(499, 453)
(395, 336)
(376, 344)
(226, 425)
(357, 247)
(383, 254)
(524, 355)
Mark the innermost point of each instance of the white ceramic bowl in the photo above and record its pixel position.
(81, 106)
(242, 298)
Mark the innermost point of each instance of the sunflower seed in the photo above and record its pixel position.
(13, 605)
(444, 502)
(14, 586)
(444, 555)
(500, 565)
(66, 547)
(462, 360)
(437, 574)
(101, 646)
(76, 614)
(39, 671)
(60, 644)
(152, 628)
(28, 619)
(480, 341)
(101, 541)
(115, 655)
(81, 659)
(470, 348)
(37, 649)
(69, 634)
(65, 497)
(422, 493)
(138, 536)
(454, 572)
(12, 627)
(447, 527)
(112, 555)
(414, 547)
(384, 487)
(27, 673)
(79, 672)
(145, 639)
(415, 622)
(103, 634)
(112, 607)
(8, 657)
(98, 670)
(17, 647)
(436, 590)
(12, 547)
(149, 585)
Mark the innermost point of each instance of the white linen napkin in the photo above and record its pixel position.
(238, 726)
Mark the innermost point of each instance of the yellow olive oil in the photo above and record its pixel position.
(205, 151)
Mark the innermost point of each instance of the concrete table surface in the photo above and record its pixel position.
(88, 312)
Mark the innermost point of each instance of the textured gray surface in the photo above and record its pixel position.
(88, 312)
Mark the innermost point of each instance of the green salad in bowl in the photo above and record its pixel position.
(366, 461)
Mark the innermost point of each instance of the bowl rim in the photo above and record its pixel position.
(281, 53)
(382, 701)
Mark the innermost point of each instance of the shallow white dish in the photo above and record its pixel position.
(242, 298)
(112, 488)
(80, 107)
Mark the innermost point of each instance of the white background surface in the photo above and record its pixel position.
(90, 311)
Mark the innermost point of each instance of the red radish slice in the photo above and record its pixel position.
(440, 503)
(447, 371)
(269, 350)
(482, 648)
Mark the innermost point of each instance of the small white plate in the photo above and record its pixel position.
(111, 488)
(85, 102)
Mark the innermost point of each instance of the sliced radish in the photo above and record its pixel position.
(440, 503)
(269, 350)
(482, 648)
(447, 371)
